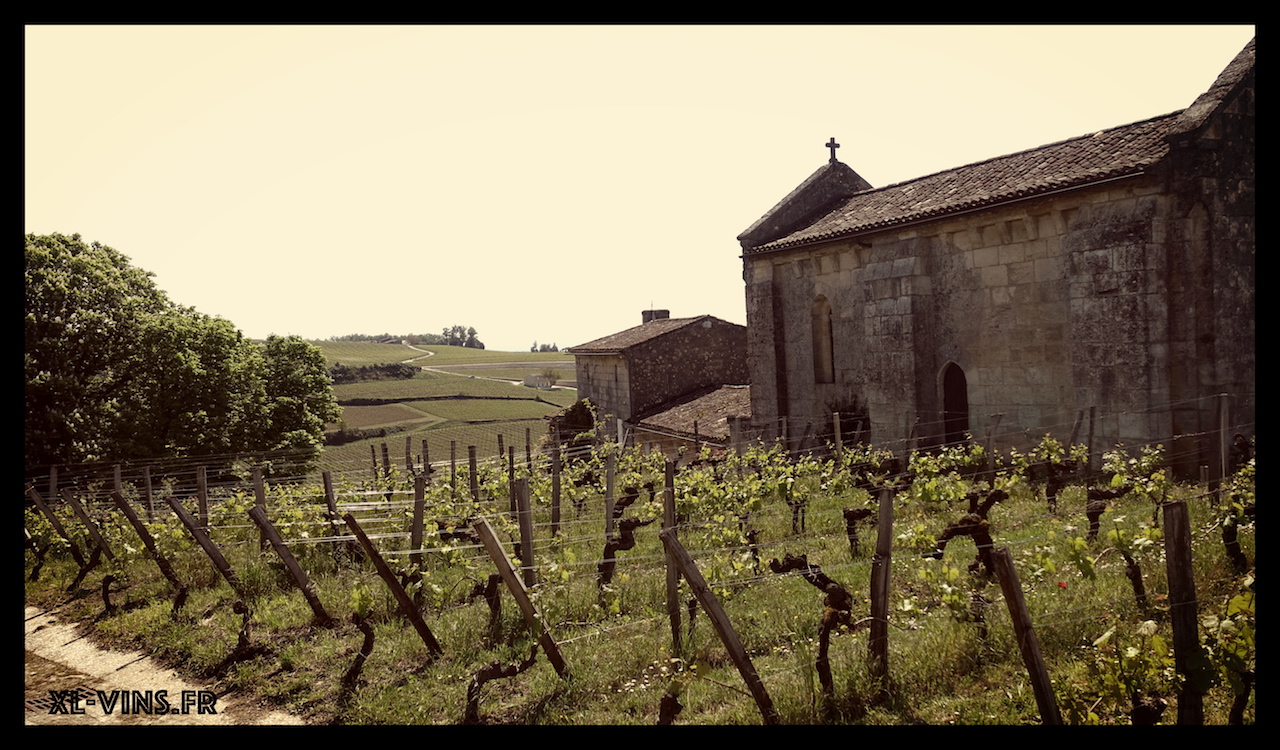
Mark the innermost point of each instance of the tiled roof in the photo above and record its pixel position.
(1117, 152)
(710, 409)
(640, 334)
(1107, 154)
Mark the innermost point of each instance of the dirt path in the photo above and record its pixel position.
(60, 658)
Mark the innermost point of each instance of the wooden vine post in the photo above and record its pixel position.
(525, 519)
(419, 508)
(202, 496)
(89, 525)
(475, 474)
(100, 546)
(58, 528)
(147, 495)
(210, 549)
(531, 615)
(1026, 634)
(1182, 611)
(839, 442)
(453, 468)
(610, 467)
(511, 479)
(878, 643)
(407, 607)
(308, 589)
(148, 541)
(673, 571)
(260, 501)
(721, 623)
(555, 489)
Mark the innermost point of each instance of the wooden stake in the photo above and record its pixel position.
(555, 489)
(720, 621)
(453, 467)
(835, 423)
(148, 541)
(202, 496)
(610, 464)
(415, 530)
(524, 516)
(407, 607)
(260, 501)
(475, 473)
(146, 493)
(532, 617)
(308, 589)
(72, 547)
(673, 570)
(92, 527)
(1182, 609)
(878, 644)
(1027, 641)
(207, 545)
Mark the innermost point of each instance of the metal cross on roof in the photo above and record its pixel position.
(831, 144)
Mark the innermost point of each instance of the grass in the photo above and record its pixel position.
(468, 408)
(357, 353)
(617, 641)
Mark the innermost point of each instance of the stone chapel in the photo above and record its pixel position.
(1110, 274)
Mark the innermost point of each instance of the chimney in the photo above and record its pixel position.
(648, 315)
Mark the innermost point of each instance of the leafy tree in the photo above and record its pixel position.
(85, 309)
(460, 336)
(200, 389)
(299, 395)
(115, 371)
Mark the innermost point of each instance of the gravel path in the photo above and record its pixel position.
(59, 658)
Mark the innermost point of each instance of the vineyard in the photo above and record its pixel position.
(853, 585)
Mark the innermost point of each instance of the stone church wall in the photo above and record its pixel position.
(1047, 307)
(1133, 297)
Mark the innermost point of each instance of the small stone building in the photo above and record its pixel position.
(1110, 274)
(638, 372)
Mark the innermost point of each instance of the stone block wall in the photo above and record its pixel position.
(708, 353)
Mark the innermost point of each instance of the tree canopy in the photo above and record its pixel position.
(462, 336)
(115, 371)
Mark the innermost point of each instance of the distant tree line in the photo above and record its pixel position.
(450, 336)
(115, 371)
(347, 434)
(429, 339)
(544, 347)
(341, 373)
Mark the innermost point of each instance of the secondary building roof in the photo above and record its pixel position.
(709, 409)
(643, 333)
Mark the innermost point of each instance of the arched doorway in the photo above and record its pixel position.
(955, 403)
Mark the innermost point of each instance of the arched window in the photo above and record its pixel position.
(824, 368)
(955, 403)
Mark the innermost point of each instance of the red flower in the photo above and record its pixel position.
(1062, 584)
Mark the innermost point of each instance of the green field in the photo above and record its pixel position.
(463, 406)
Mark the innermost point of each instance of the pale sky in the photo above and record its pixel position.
(539, 183)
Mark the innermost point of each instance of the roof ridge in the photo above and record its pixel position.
(1025, 151)
(653, 325)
